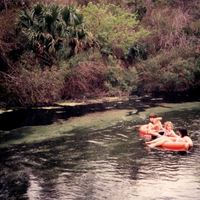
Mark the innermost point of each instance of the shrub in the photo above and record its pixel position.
(94, 79)
(137, 52)
(83, 57)
(193, 28)
(35, 87)
(179, 75)
(168, 25)
(112, 26)
(120, 80)
(85, 80)
(11, 3)
(167, 72)
(197, 73)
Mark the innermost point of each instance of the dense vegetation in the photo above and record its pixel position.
(81, 49)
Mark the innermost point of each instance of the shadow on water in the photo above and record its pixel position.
(109, 163)
(40, 116)
(34, 117)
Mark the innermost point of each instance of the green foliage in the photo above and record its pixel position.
(71, 17)
(53, 32)
(197, 73)
(85, 56)
(179, 76)
(119, 80)
(112, 25)
(136, 52)
(167, 72)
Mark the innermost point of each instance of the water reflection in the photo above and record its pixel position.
(105, 164)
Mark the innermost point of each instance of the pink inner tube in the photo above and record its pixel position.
(175, 146)
(143, 132)
(170, 145)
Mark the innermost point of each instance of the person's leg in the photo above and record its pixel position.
(155, 140)
(158, 142)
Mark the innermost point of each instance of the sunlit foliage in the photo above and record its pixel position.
(112, 25)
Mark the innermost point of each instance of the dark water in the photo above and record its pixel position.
(111, 163)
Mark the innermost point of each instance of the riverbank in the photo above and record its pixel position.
(165, 97)
(33, 78)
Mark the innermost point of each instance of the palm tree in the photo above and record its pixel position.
(50, 29)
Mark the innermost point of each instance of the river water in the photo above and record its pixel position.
(99, 162)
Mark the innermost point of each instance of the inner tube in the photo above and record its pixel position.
(143, 132)
(175, 146)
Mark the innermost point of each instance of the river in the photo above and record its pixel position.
(96, 155)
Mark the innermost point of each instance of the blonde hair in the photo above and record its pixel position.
(169, 123)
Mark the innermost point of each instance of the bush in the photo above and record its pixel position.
(193, 28)
(197, 73)
(167, 27)
(137, 52)
(83, 57)
(119, 80)
(179, 75)
(93, 79)
(85, 80)
(35, 87)
(112, 26)
(11, 3)
(168, 72)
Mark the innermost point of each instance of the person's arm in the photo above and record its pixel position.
(158, 125)
(149, 127)
(158, 118)
(173, 134)
(151, 130)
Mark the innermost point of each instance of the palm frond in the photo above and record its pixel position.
(38, 10)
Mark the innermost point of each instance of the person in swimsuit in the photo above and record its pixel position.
(168, 129)
(184, 137)
(167, 136)
(155, 125)
(181, 136)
